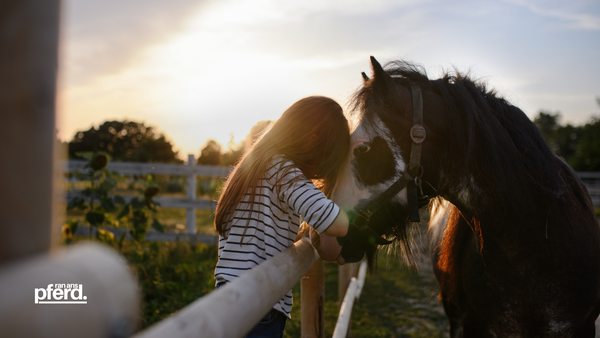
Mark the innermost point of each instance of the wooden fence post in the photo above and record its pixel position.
(312, 293)
(28, 200)
(28, 66)
(190, 215)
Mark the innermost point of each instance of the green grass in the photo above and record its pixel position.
(395, 302)
(172, 218)
(170, 275)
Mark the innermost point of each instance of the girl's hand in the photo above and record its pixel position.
(327, 247)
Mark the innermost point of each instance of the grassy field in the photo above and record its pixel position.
(396, 301)
(172, 218)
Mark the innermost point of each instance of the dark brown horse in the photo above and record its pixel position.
(514, 238)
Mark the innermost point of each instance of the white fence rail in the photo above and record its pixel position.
(592, 182)
(190, 170)
(352, 294)
(232, 311)
(137, 168)
(154, 236)
(191, 203)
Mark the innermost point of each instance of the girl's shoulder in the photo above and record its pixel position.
(282, 168)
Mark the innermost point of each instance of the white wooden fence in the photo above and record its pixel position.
(283, 271)
(592, 182)
(352, 293)
(189, 170)
(30, 257)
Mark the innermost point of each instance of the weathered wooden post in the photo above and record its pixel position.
(190, 214)
(32, 279)
(312, 293)
(28, 66)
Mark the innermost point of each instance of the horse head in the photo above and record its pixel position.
(475, 143)
(382, 145)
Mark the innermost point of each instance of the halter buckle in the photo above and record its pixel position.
(362, 218)
(418, 134)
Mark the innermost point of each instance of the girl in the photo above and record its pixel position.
(272, 190)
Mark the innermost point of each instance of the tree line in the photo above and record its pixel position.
(578, 145)
(135, 142)
(130, 141)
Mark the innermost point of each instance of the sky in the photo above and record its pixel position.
(202, 69)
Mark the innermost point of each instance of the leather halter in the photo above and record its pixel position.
(411, 177)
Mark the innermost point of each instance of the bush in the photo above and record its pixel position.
(170, 275)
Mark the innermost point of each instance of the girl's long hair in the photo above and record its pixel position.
(313, 133)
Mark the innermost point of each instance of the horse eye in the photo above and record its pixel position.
(362, 148)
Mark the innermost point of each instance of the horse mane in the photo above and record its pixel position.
(515, 175)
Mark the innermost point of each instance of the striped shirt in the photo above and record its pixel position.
(273, 222)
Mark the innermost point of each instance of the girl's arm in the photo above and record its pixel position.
(339, 227)
(327, 246)
(326, 243)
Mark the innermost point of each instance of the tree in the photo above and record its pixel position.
(548, 124)
(233, 154)
(562, 140)
(124, 141)
(587, 155)
(256, 132)
(578, 145)
(210, 154)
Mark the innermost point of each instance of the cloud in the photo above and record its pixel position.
(101, 37)
(202, 69)
(571, 12)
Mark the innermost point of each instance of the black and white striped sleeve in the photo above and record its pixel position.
(301, 195)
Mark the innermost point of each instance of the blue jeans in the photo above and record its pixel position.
(270, 326)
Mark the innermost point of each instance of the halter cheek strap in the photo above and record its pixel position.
(417, 135)
(411, 177)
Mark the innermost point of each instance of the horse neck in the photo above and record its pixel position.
(527, 213)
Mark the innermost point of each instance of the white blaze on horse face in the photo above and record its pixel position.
(349, 192)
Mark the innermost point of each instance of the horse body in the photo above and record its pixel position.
(514, 240)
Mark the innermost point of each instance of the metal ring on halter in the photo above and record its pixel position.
(419, 176)
(421, 171)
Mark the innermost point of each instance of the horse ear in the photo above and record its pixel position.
(378, 72)
(365, 77)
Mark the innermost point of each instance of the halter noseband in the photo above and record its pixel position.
(411, 177)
